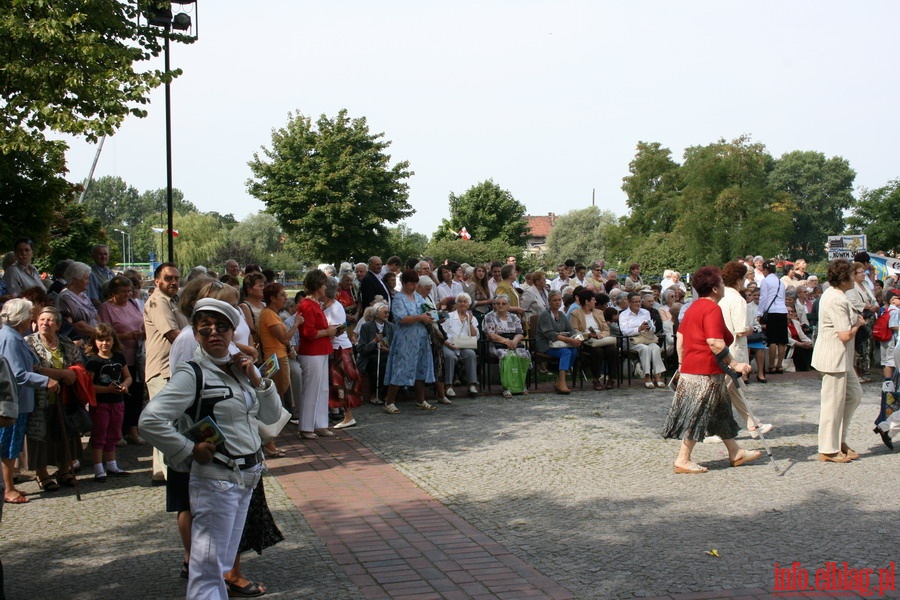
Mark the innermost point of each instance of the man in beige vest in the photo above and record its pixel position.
(163, 322)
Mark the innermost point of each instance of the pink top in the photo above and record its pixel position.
(124, 319)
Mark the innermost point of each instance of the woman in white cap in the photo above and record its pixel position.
(224, 471)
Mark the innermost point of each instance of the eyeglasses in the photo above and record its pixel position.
(219, 326)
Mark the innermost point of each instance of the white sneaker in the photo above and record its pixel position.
(444, 400)
(449, 392)
(712, 439)
(473, 389)
(763, 428)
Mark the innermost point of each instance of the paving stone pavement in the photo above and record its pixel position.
(579, 487)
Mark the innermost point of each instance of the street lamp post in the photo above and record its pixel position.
(126, 251)
(159, 14)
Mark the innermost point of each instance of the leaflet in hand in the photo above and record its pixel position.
(206, 430)
(270, 367)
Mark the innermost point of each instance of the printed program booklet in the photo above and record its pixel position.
(206, 430)
(270, 367)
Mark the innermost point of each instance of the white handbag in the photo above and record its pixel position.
(466, 342)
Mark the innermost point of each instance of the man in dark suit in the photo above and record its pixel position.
(372, 285)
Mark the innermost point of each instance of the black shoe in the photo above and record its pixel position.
(761, 380)
(100, 478)
(885, 438)
(118, 473)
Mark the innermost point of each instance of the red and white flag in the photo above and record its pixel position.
(465, 234)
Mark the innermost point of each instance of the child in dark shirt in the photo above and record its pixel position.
(111, 381)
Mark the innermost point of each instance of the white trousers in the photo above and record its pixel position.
(314, 398)
(840, 396)
(219, 509)
(891, 425)
(650, 356)
(296, 386)
(737, 401)
(155, 386)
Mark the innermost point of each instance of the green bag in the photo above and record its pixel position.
(513, 372)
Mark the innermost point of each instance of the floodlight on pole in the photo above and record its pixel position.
(158, 13)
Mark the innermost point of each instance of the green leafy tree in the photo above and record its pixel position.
(256, 239)
(404, 242)
(653, 189)
(727, 207)
(659, 251)
(118, 205)
(70, 66)
(875, 214)
(199, 238)
(579, 235)
(488, 212)
(72, 235)
(112, 201)
(331, 186)
(32, 187)
(822, 189)
(472, 252)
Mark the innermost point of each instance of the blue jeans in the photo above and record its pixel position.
(566, 356)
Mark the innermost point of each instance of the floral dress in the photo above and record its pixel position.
(410, 358)
(507, 328)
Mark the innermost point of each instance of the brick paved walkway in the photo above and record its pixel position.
(393, 539)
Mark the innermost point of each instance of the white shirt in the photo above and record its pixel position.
(630, 322)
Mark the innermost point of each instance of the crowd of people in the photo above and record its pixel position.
(90, 351)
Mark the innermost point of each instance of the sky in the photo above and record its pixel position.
(547, 98)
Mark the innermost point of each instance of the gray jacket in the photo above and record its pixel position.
(239, 424)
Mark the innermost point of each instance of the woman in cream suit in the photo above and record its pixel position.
(833, 357)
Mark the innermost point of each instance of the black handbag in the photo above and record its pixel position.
(757, 337)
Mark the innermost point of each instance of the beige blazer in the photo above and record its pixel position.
(578, 323)
(830, 355)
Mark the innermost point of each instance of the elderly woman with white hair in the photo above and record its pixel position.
(16, 317)
(461, 329)
(74, 304)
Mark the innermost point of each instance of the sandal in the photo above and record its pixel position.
(423, 405)
(277, 453)
(20, 499)
(649, 385)
(251, 590)
(691, 469)
(48, 483)
(745, 456)
(184, 571)
(391, 409)
(66, 479)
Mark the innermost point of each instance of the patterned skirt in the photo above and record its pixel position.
(345, 383)
(260, 530)
(701, 407)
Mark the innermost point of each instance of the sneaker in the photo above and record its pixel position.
(449, 392)
(444, 400)
(473, 389)
(712, 439)
(763, 428)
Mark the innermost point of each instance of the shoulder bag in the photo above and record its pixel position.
(465, 341)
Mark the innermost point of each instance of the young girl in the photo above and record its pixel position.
(111, 381)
